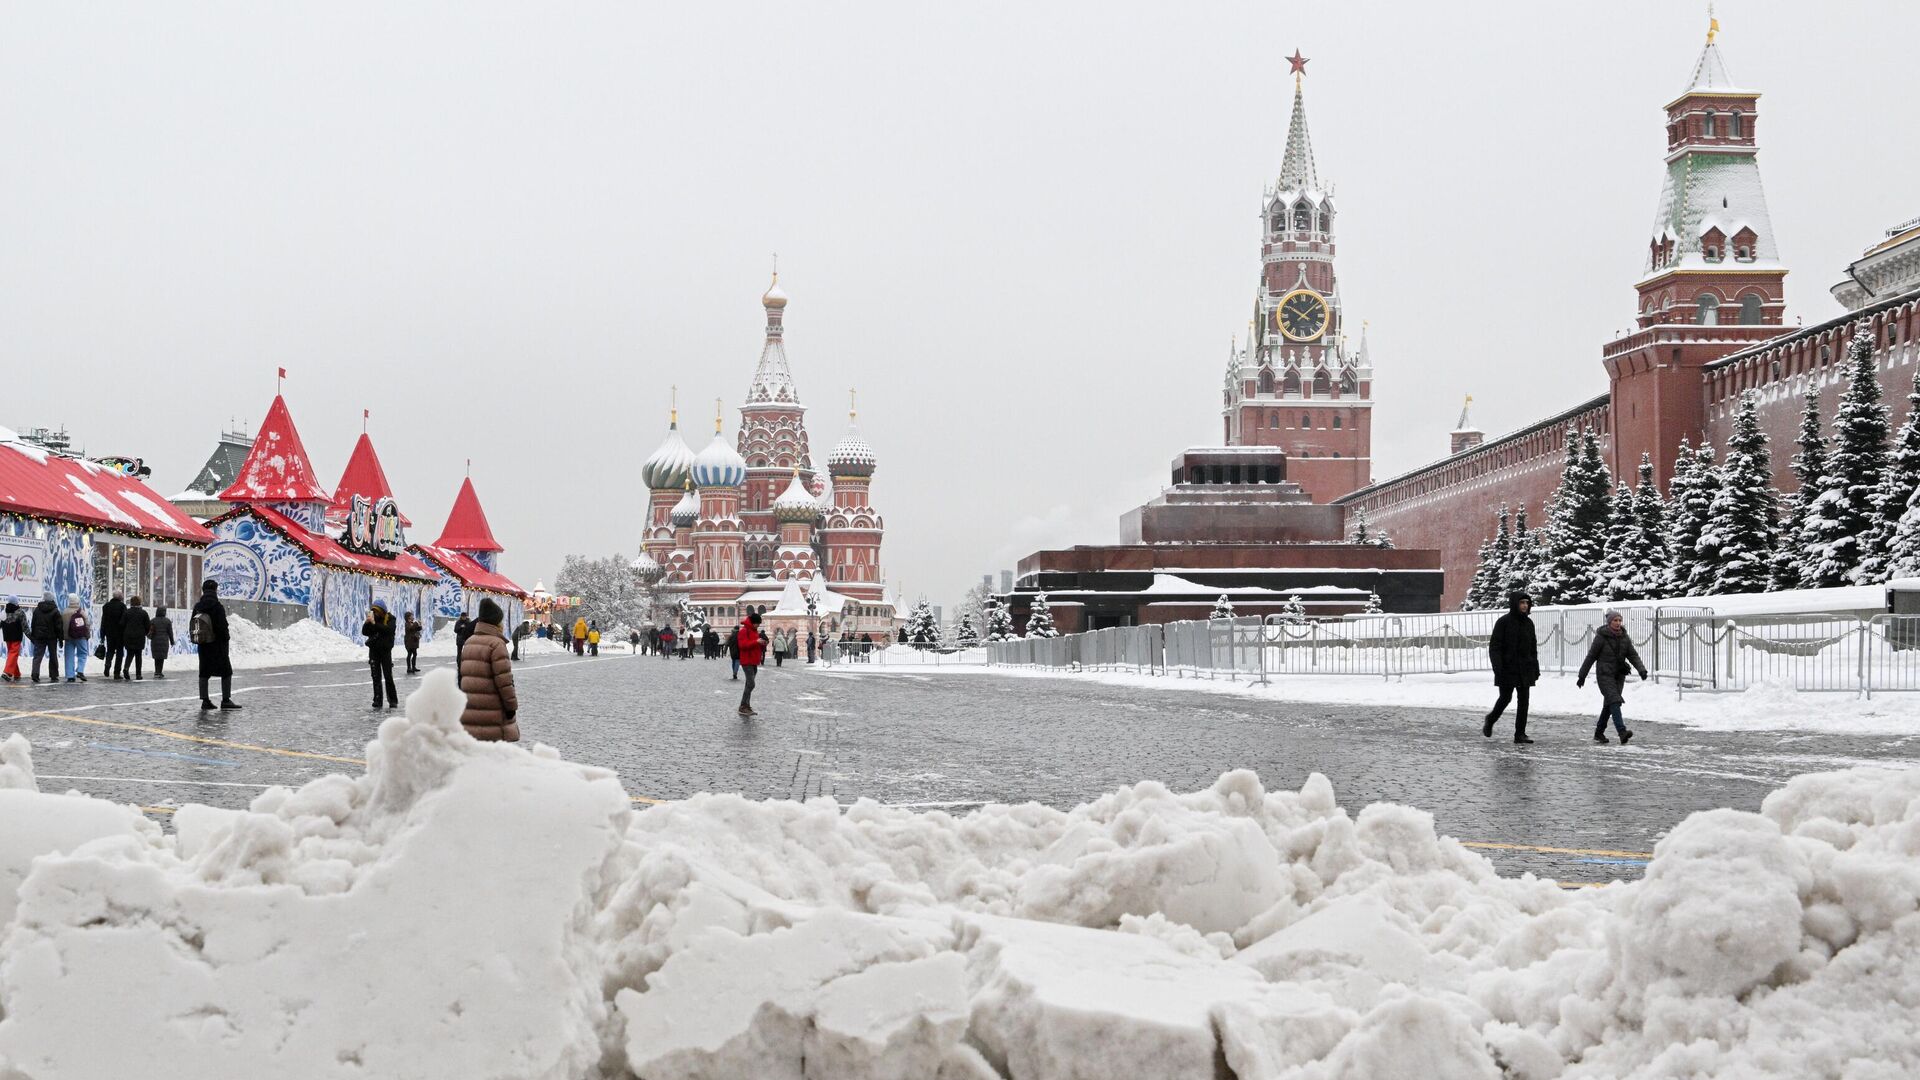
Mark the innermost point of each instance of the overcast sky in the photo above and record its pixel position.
(1025, 231)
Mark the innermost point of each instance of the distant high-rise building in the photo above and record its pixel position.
(1006, 581)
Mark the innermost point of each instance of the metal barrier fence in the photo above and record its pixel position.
(1689, 648)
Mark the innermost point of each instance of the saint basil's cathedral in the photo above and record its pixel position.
(752, 525)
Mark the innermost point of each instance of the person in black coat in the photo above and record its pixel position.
(133, 638)
(1612, 652)
(209, 633)
(48, 632)
(379, 630)
(462, 630)
(113, 619)
(1515, 653)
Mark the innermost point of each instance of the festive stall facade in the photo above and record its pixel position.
(80, 529)
(466, 558)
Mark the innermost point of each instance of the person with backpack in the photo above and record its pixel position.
(379, 630)
(733, 650)
(666, 643)
(1515, 653)
(47, 633)
(134, 624)
(13, 630)
(486, 677)
(79, 633)
(161, 635)
(410, 637)
(208, 632)
(1612, 652)
(750, 650)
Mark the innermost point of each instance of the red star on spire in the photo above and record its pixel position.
(1299, 63)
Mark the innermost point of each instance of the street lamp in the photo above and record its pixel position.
(813, 624)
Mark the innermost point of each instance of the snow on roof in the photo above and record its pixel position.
(467, 528)
(470, 574)
(33, 481)
(1710, 74)
(325, 550)
(277, 468)
(363, 476)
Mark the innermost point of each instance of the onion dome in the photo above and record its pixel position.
(775, 296)
(648, 569)
(796, 503)
(670, 465)
(719, 465)
(851, 456)
(686, 511)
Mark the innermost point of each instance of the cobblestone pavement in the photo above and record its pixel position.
(949, 741)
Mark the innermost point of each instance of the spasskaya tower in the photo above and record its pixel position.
(1295, 383)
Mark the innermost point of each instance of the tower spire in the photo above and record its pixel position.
(1296, 171)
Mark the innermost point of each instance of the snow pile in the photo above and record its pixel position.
(306, 642)
(479, 910)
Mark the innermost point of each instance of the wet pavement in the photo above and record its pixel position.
(950, 741)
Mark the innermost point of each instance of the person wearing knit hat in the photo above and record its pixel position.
(379, 631)
(1612, 653)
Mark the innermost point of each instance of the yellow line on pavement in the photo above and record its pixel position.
(184, 737)
(1556, 850)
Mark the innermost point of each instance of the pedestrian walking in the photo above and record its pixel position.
(580, 636)
(1609, 656)
(521, 633)
(208, 632)
(79, 633)
(113, 620)
(733, 649)
(13, 631)
(379, 631)
(160, 636)
(134, 625)
(410, 639)
(752, 650)
(812, 643)
(1515, 653)
(462, 629)
(593, 639)
(653, 638)
(666, 642)
(633, 641)
(780, 643)
(486, 677)
(48, 634)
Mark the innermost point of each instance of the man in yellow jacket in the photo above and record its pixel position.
(580, 636)
(593, 640)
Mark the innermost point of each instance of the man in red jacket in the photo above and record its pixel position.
(753, 649)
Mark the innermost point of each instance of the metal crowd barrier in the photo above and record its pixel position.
(1689, 648)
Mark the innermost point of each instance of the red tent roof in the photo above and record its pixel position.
(276, 469)
(470, 573)
(86, 493)
(364, 477)
(326, 551)
(467, 528)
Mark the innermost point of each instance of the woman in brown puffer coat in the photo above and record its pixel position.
(486, 677)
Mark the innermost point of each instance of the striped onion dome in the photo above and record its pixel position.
(719, 465)
(670, 465)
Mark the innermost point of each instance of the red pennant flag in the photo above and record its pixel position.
(283, 373)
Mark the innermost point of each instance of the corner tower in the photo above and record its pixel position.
(1295, 384)
(1713, 280)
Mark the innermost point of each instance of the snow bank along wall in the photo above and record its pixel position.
(487, 912)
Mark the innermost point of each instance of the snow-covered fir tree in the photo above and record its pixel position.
(1365, 534)
(1618, 574)
(999, 621)
(1690, 499)
(1295, 610)
(1523, 558)
(1575, 544)
(1040, 618)
(1496, 562)
(1897, 487)
(1841, 515)
(1373, 603)
(974, 604)
(1809, 464)
(1903, 551)
(967, 637)
(1740, 535)
(1649, 540)
(922, 627)
(1222, 608)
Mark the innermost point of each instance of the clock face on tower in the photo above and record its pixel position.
(1301, 316)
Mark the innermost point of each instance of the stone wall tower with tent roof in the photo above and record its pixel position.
(1296, 382)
